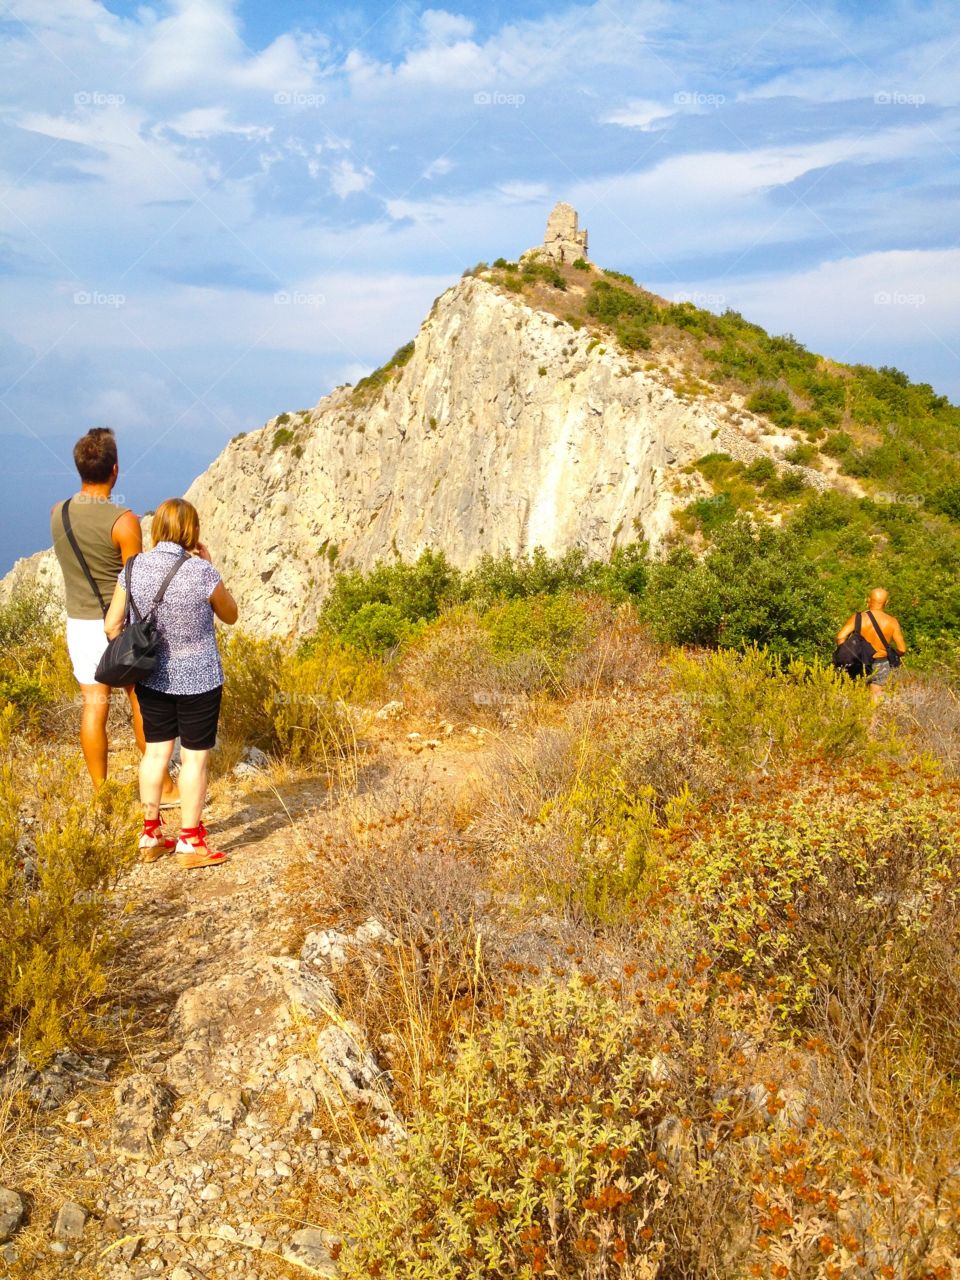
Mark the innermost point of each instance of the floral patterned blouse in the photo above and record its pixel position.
(188, 660)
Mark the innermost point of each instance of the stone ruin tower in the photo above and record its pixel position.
(564, 240)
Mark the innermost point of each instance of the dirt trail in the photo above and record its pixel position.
(192, 1161)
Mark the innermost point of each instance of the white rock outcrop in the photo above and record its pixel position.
(506, 430)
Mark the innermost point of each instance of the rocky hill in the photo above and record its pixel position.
(500, 428)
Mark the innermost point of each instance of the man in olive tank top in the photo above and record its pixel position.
(106, 535)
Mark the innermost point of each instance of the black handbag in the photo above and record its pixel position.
(133, 653)
(855, 654)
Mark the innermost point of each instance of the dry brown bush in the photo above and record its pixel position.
(927, 711)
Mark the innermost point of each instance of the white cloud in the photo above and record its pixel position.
(900, 296)
(213, 122)
(442, 27)
(346, 179)
(437, 168)
(640, 114)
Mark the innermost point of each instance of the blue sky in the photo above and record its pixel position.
(213, 210)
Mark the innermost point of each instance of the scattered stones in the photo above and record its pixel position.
(142, 1108)
(303, 986)
(325, 947)
(390, 711)
(70, 1221)
(12, 1210)
(56, 1083)
(310, 1248)
(254, 761)
(227, 1107)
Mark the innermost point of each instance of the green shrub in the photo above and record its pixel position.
(375, 381)
(36, 677)
(509, 577)
(530, 1152)
(802, 455)
(550, 627)
(416, 591)
(753, 586)
(609, 304)
(760, 710)
(581, 264)
(773, 404)
(543, 269)
(760, 471)
(311, 718)
(847, 889)
(290, 702)
(633, 334)
(282, 436)
(56, 878)
(711, 513)
(619, 275)
(376, 627)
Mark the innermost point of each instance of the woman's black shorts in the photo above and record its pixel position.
(191, 717)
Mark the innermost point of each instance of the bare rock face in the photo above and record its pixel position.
(506, 430)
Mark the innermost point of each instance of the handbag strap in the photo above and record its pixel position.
(158, 598)
(857, 624)
(883, 638)
(72, 539)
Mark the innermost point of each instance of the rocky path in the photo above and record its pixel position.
(195, 1157)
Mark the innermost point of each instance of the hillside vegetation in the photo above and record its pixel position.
(672, 988)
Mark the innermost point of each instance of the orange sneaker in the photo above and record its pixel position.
(193, 851)
(154, 843)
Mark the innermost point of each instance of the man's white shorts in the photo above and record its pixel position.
(86, 641)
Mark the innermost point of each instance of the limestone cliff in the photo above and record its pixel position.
(505, 430)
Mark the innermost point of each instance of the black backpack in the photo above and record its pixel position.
(855, 655)
(133, 653)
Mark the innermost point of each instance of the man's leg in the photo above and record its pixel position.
(93, 729)
(169, 792)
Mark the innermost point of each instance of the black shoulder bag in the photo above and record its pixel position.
(133, 653)
(855, 654)
(72, 539)
(893, 657)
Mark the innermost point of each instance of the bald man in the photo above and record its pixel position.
(890, 628)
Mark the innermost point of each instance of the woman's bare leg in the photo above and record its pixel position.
(193, 785)
(153, 771)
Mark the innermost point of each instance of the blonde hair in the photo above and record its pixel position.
(176, 520)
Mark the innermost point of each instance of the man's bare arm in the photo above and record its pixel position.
(897, 639)
(847, 628)
(127, 535)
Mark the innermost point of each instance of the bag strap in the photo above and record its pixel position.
(883, 638)
(857, 624)
(158, 598)
(72, 539)
(131, 603)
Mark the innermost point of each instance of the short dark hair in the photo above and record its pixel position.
(96, 455)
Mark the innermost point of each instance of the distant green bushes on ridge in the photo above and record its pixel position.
(785, 587)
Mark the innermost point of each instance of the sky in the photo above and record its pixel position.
(212, 211)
